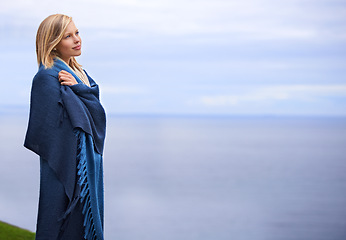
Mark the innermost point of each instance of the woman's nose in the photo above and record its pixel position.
(76, 39)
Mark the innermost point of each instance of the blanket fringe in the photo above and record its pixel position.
(89, 228)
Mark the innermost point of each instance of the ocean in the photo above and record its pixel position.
(202, 178)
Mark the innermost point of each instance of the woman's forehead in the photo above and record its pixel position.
(71, 27)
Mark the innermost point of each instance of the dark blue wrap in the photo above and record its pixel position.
(56, 112)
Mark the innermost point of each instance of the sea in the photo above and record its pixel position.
(202, 177)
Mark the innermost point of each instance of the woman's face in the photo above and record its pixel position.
(71, 43)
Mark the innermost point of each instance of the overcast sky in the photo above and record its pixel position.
(191, 57)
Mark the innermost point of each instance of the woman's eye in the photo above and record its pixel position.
(77, 33)
(68, 36)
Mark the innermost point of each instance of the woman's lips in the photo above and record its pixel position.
(77, 47)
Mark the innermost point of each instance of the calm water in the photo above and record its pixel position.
(203, 178)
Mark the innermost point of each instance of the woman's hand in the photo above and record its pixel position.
(66, 78)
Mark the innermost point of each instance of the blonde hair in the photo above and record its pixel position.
(49, 34)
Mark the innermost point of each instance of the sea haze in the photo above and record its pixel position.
(202, 178)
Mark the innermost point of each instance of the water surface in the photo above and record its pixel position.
(169, 178)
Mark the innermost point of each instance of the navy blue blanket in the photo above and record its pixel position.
(57, 113)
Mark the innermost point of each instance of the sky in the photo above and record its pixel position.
(209, 57)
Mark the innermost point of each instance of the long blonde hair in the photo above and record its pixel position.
(49, 34)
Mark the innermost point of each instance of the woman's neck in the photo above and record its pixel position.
(67, 61)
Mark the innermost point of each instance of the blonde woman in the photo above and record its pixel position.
(66, 129)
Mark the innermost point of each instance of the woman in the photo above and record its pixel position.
(67, 130)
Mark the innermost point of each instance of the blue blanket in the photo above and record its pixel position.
(65, 121)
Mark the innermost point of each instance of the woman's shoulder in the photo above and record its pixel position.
(46, 76)
(43, 71)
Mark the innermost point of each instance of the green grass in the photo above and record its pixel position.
(10, 232)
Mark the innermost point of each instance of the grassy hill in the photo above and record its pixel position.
(10, 232)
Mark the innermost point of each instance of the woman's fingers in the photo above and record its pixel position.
(63, 72)
(64, 75)
(66, 78)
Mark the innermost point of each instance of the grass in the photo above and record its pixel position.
(10, 232)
